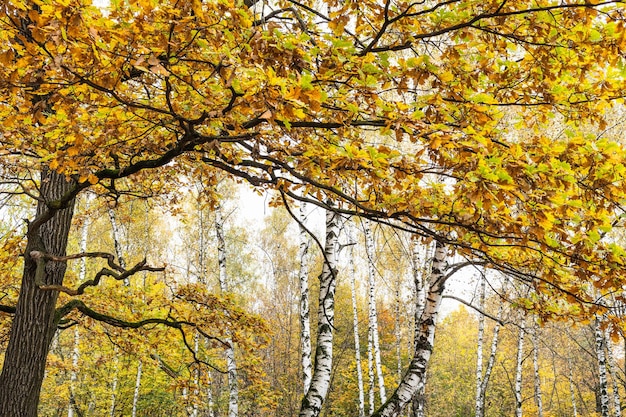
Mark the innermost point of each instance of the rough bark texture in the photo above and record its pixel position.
(320, 382)
(33, 324)
(305, 326)
(413, 379)
(373, 314)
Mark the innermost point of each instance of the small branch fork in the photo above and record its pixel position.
(116, 271)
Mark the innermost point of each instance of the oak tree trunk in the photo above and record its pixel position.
(34, 322)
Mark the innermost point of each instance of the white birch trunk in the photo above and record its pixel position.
(196, 376)
(355, 322)
(612, 368)
(120, 260)
(373, 314)
(231, 364)
(413, 379)
(137, 388)
(480, 405)
(305, 326)
(320, 381)
(74, 373)
(572, 389)
(518, 368)
(370, 372)
(419, 280)
(116, 242)
(398, 336)
(114, 384)
(600, 354)
(538, 393)
(209, 397)
(82, 273)
(492, 354)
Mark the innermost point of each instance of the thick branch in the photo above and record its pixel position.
(41, 258)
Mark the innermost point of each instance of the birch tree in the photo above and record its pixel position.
(231, 365)
(355, 319)
(82, 273)
(600, 347)
(373, 314)
(413, 379)
(537, 376)
(483, 378)
(92, 96)
(305, 326)
(320, 381)
(518, 367)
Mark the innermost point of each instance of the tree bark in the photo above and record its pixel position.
(492, 355)
(518, 368)
(373, 314)
(413, 379)
(82, 273)
(355, 322)
(305, 326)
(538, 393)
(420, 282)
(231, 364)
(137, 388)
(600, 353)
(320, 381)
(34, 322)
(612, 368)
(480, 404)
(572, 390)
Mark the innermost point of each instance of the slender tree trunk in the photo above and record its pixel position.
(137, 389)
(480, 404)
(420, 282)
(492, 354)
(600, 354)
(612, 369)
(370, 371)
(114, 384)
(572, 389)
(413, 379)
(373, 314)
(538, 393)
(398, 336)
(231, 364)
(320, 381)
(115, 229)
(305, 326)
(355, 322)
(82, 273)
(518, 368)
(117, 243)
(33, 324)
